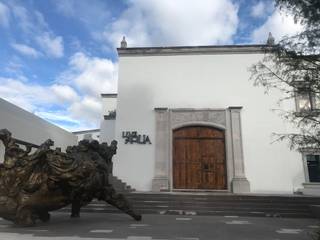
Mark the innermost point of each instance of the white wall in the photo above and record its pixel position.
(107, 130)
(95, 135)
(30, 128)
(109, 104)
(202, 81)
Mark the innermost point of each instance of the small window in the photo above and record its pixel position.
(307, 101)
(313, 163)
(307, 93)
(303, 101)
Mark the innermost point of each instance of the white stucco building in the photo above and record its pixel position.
(188, 118)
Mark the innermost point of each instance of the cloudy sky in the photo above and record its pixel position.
(58, 56)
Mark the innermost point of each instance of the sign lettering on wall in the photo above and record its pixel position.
(134, 137)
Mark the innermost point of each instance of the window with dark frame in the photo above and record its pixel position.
(313, 163)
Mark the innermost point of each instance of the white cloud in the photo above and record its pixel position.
(57, 116)
(72, 112)
(66, 121)
(26, 50)
(15, 67)
(23, 18)
(94, 14)
(4, 15)
(90, 107)
(65, 93)
(31, 22)
(74, 101)
(91, 75)
(51, 45)
(279, 25)
(33, 25)
(25, 95)
(179, 22)
(262, 9)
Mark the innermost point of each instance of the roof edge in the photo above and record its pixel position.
(190, 50)
(86, 131)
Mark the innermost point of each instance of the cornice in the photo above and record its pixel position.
(193, 50)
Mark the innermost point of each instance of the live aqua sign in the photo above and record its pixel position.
(134, 137)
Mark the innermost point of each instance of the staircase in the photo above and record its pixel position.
(119, 185)
(214, 204)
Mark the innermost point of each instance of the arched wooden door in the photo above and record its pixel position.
(199, 158)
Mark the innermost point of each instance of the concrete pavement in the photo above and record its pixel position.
(160, 227)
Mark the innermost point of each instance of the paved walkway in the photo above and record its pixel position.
(160, 227)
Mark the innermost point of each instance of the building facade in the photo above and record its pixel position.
(189, 118)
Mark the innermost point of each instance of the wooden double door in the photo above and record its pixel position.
(199, 158)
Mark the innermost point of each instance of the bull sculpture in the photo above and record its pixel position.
(33, 183)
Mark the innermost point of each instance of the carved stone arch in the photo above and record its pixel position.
(199, 123)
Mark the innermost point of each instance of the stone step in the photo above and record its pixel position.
(209, 210)
(237, 198)
(211, 205)
(219, 201)
(208, 204)
(186, 207)
(222, 204)
(203, 213)
(119, 185)
(215, 209)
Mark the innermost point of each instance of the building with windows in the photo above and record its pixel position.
(188, 118)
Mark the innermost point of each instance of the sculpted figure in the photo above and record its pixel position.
(33, 184)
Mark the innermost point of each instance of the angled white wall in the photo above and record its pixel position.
(28, 127)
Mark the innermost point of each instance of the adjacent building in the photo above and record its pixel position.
(91, 134)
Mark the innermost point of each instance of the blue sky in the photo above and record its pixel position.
(58, 56)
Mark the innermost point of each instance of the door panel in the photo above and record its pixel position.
(199, 158)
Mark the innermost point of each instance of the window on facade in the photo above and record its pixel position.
(303, 101)
(307, 101)
(307, 98)
(313, 163)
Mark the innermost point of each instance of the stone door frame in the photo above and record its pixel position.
(309, 188)
(228, 119)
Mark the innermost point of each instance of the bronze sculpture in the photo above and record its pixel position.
(32, 184)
